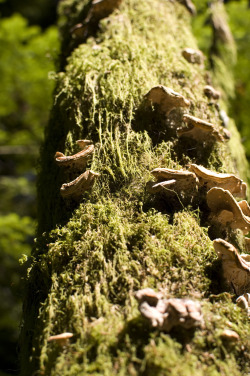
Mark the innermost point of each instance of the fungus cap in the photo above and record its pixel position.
(193, 56)
(210, 92)
(77, 187)
(226, 210)
(166, 98)
(61, 339)
(230, 335)
(199, 129)
(75, 161)
(162, 173)
(214, 179)
(236, 270)
(167, 313)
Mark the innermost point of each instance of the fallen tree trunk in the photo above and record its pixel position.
(112, 237)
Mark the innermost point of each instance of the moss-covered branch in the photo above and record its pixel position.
(92, 256)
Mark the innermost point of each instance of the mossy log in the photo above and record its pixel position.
(92, 255)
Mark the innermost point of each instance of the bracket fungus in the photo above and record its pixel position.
(166, 98)
(211, 179)
(211, 93)
(193, 56)
(243, 302)
(236, 268)
(176, 180)
(77, 187)
(168, 313)
(226, 210)
(230, 336)
(199, 130)
(99, 9)
(62, 339)
(76, 161)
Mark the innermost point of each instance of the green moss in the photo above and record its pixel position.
(119, 238)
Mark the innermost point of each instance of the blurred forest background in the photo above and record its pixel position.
(29, 47)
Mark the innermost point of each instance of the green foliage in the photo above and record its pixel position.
(16, 237)
(26, 57)
(240, 24)
(239, 94)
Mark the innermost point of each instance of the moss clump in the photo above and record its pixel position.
(119, 239)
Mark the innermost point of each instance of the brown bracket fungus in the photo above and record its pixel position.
(243, 302)
(77, 161)
(236, 270)
(211, 93)
(148, 295)
(230, 336)
(193, 56)
(75, 189)
(200, 130)
(168, 313)
(99, 10)
(176, 180)
(226, 210)
(61, 339)
(211, 179)
(166, 98)
(83, 143)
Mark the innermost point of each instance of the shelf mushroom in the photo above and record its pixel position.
(61, 339)
(99, 9)
(243, 302)
(199, 130)
(226, 210)
(236, 268)
(166, 98)
(211, 93)
(177, 180)
(211, 179)
(77, 187)
(76, 161)
(193, 56)
(168, 313)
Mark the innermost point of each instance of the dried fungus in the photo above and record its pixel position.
(230, 336)
(243, 302)
(226, 211)
(76, 161)
(166, 99)
(168, 313)
(61, 339)
(211, 179)
(175, 180)
(76, 188)
(236, 269)
(211, 93)
(193, 56)
(99, 9)
(199, 130)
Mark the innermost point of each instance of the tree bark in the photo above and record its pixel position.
(92, 254)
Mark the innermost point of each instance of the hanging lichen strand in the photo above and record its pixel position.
(96, 249)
